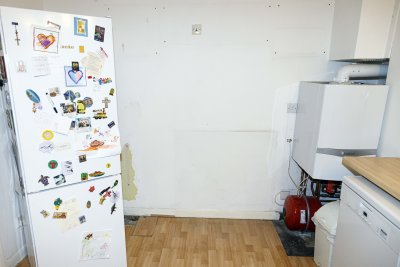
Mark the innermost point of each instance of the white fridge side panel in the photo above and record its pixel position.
(352, 116)
(45, 70)
(61, 242)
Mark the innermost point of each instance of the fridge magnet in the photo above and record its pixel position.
(96, 144)
(115, 184)
(75, 65)
(51, 102)
(46, 147)
(91, 189)
(102, 199)
(59, 179)
(111, 124)
(80, 27)
(45, 40)
(100, 114)
(59, 215)
(21, 66)
(96, 245)
(80, 107)
(57, 203)
(115, 197)
(104, 190)
(82, 158)
(112, 91)
(74, 77)
(84, 124)
(55, 25)
(99, 33)
(35, 99)
(96, 174)
(66, 167)
(82, 219)
(84, 176)
(69, 95)
(40, 66)
(108, 165)
(72, 125)
(52, 164)
(72, 207)
(88, 204)
(81, 49)
(47, 135)
(106, 101)
(16, 32)
(103, 81)
(68, 109)
(88, 102)
(77, 94)
(113, 208)
(54, 91)
(94, 63)
(44, 213)
(44, 180)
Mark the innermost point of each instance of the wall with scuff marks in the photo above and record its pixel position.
(205, 116)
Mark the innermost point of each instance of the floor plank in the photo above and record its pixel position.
(190, 242)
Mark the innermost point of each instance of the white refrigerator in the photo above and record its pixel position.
(61, 93)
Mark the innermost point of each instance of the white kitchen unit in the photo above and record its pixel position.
(333, 121)
(363, 29)
(61, 94)
(368, 230)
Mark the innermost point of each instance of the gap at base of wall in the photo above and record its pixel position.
(252, 215)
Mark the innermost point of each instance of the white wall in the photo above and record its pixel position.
(390, 144)
(206, 115)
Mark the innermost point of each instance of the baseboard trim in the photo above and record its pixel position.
(252, 215)
(17, 258)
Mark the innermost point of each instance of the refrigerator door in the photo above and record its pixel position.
(60, 71)
(95, 240)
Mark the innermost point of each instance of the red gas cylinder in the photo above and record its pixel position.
(295, 212)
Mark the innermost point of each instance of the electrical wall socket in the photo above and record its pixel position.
(284, 194)
(292, 108)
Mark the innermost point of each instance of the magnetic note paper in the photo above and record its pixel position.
(94, 63)
(71, 206)
(40, 66)
(45, 40)
(96, 245)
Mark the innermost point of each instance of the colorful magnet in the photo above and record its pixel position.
(115, 184)
(69, 95)
(57, 203)
(33, 96)
(82, 158)
(21, 66)
(82, 219)
(44, 213)
(81, 49)
(104, 80)
(47, 135)
(88, 204)
(46, 147)
(77, 94)
(52, 164)
(108, 165)
(80, 27)
(75, 65)
(59, 179)
(102, 199)
(112, 90)
(96, 174)
(100, 114)
(88, 102)
(91, 189)
(89, 236)
(84, 176)
(96, 143)
(113, 208)
(111, 124)
(99, 33)
(115, 197)
(104, 190)
(59, 215)
(72, 126)
(44, 180)
(54, 91)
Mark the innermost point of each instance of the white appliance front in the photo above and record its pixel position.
(368, 233)
(91, 235)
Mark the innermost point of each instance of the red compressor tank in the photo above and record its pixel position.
(295, 212)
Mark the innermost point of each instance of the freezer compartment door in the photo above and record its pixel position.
(92, 232)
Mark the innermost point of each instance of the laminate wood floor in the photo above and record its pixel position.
(174, 242)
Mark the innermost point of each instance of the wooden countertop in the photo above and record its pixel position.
(384, 172)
